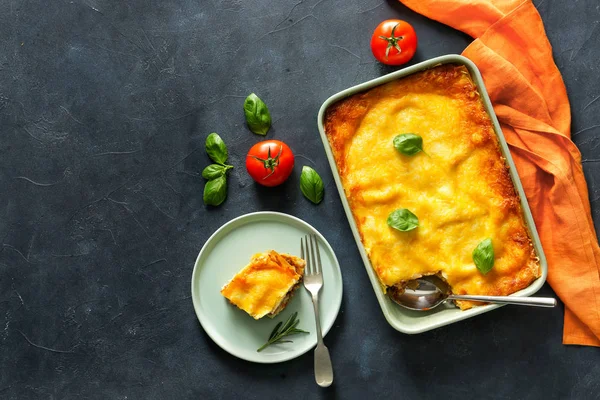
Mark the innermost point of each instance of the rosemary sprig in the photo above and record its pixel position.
(281, 330)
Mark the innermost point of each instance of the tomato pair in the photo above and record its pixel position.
(270, 162)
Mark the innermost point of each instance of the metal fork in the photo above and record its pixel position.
(313, 282)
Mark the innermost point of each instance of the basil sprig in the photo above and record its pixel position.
(215, 190)
(409, 144)
(483, 256)
(257, 115)
(311, 185)
(403, 220)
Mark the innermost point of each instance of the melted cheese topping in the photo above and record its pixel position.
(460, 190)
(263, 285)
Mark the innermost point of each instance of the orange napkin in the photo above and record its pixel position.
(515, 58)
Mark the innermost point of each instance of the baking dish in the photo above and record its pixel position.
(411, 321)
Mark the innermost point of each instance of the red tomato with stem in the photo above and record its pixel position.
(270, 162)
(394, 42)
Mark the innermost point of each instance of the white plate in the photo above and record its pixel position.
(226, 252)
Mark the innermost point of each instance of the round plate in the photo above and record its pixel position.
(226, 252)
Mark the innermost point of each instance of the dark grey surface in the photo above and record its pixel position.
(104, 107)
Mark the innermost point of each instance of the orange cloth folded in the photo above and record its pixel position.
(515, 58)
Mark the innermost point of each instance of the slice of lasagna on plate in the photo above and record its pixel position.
(265, 286)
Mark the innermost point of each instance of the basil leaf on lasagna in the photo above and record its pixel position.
(483, 256)
(403, 220)
(408, 144)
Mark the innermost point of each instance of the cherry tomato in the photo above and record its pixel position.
(394, 42)
(270, 162)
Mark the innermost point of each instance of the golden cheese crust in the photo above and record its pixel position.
(460, 189)
(265, 285)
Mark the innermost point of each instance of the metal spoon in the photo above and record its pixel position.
(428, 295)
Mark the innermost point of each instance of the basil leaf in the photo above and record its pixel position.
(257, 115)
(483, 256)
(403, 220)
(408, 144)
(216, 149)
(213, 171)
(311, 185)
(215, 191)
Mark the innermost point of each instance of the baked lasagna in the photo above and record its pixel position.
(459, 187)
(266, 284)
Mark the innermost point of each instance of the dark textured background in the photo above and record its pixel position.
(104, 107)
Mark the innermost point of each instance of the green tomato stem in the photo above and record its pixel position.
(392, 42)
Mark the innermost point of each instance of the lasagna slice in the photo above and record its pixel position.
(266, 284)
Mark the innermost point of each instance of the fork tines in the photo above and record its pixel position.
(309, 247)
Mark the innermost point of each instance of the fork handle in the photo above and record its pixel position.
(323, 367)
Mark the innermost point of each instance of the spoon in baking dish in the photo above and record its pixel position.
(429, 294)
